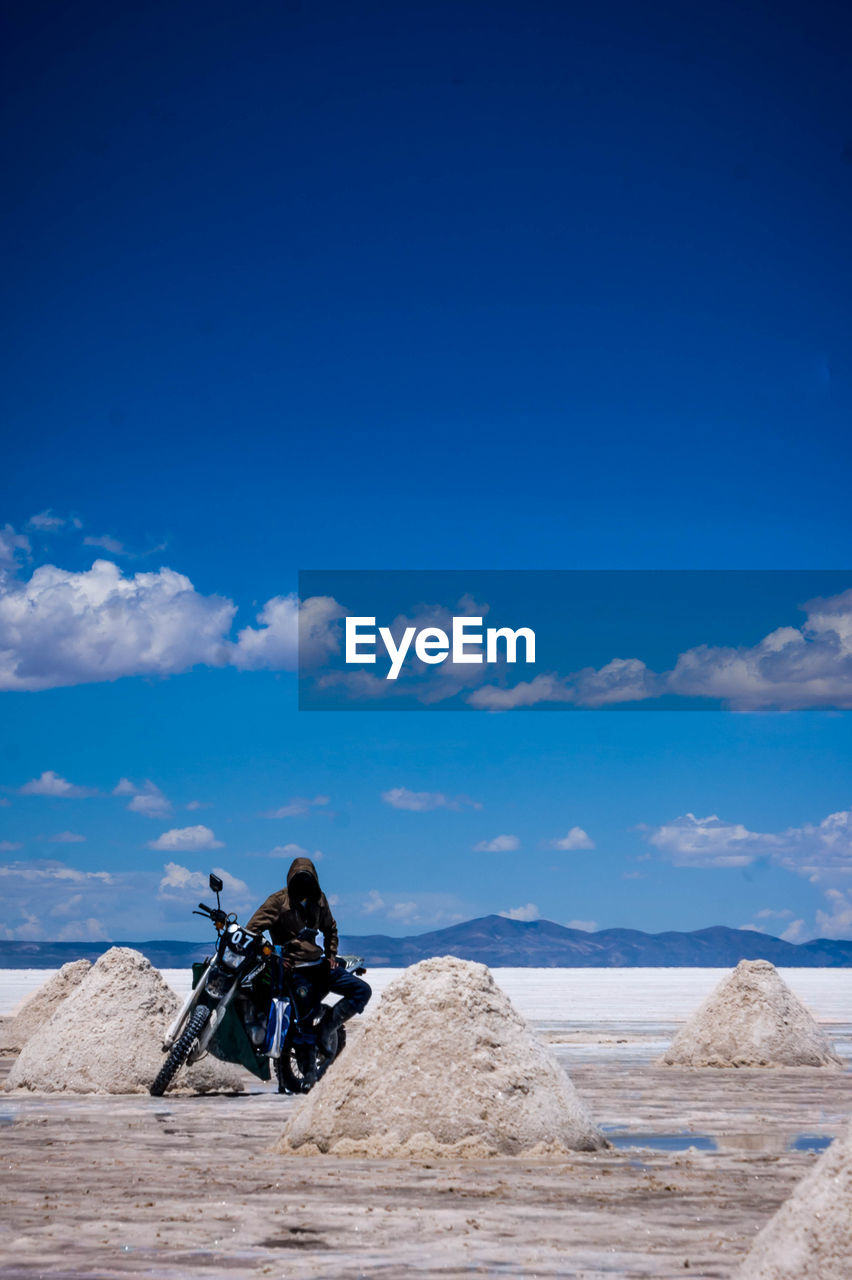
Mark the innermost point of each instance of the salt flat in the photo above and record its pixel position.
(108, 1188)
(570, 995)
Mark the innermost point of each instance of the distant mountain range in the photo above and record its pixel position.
(496, 941)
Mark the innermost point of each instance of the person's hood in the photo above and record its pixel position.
(302, 866)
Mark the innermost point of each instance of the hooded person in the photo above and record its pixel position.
(293, 917)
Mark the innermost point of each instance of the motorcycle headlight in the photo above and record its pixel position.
(231, 959)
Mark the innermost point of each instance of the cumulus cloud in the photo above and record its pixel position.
(821, 852)
(813, 850)
(297, 807)
(791, 668)
(500, 844)
(63, 628)
(51, 784)
(290, 631)
(178, 881)
(10, 846)
(374, 902)
(576, 838)
(585, 926)
(689, 841)
(66, 837)
(527, 913)
(148, 800)
(423, 801)
(295, 851)
(186, 840)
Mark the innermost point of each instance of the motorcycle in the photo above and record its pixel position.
(254, 1004)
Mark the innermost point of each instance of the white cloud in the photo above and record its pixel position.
(621, 680)
(813, 850)
(46, 869)
(13, 546)
(186, 840)
(708, 842)
(112, 545)
(63, 628)
(30, 930)
(821, 852)
(500, 844)
(151, 804)
(790, 668)
(148, 800)
(837, 922)
(585, 926)
(407, 912)
(423, 801)
(51, 784)
(297, 806)
(46, 522)
(797, 931)
(291, 632)
(4, 803)
(178, 881)
(199, 804)
(415, 908)
(89, 930)
(576, 838)
(10, 846)
(295, 851)
(527, 913)
(66, 837)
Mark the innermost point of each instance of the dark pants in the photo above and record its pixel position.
(346, 984)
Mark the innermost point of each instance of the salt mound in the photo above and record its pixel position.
(752, 1019)
(810, 1237)
(446, 1066)
(106, 1036)
(41, 1005)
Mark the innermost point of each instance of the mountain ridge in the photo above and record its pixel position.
(498, 941)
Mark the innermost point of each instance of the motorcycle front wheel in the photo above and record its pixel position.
(301, 1065)
(180, 1051)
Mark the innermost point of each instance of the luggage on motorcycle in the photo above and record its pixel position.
(230, 1042)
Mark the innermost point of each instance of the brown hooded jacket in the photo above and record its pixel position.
(284, 920)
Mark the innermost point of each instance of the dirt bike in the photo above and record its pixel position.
(253, 1004)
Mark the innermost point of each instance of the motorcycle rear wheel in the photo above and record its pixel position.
(300, 1066)
(180, 1051)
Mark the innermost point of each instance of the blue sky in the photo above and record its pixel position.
(425, 287)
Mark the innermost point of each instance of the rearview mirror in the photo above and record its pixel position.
(216, 884)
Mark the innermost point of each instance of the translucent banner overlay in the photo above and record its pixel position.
(574, 640)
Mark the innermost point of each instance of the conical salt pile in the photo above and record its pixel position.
(810, 1237)
(445, 1066)
(41, 1005)
(752, 1019)
(106, 1036)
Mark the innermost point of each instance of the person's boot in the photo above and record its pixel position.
(332, 1019)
